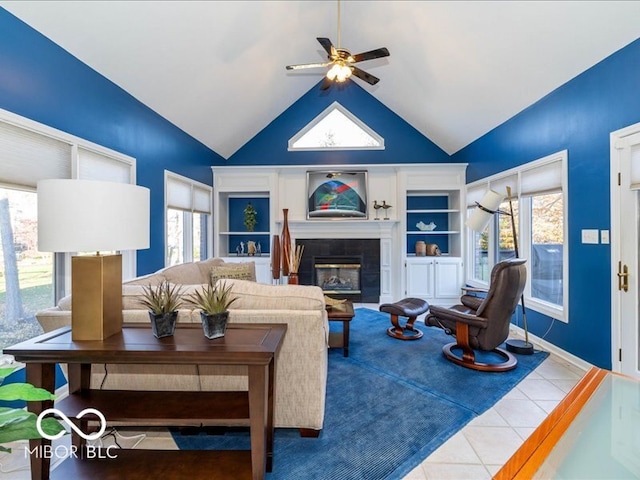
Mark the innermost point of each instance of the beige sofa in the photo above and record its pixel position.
(301, 369)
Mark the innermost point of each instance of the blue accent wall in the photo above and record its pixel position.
(403, 143)
(577, 117)
(43, 82)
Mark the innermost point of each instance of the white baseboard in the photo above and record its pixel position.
(550, 347)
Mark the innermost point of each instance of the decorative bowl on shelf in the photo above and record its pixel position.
(424, 227)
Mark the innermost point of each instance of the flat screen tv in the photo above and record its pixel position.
(337, 194)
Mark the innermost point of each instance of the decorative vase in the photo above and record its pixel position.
(275, 258)
(293, 278)
(421, 248)
(285, 240)
(163, 324)
(214, 325)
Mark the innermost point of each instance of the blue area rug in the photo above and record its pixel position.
(389, 405)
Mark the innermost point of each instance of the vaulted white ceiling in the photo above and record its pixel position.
(216, 69)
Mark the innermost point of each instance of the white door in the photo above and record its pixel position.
(625, 225)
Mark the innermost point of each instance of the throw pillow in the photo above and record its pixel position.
(239, 271)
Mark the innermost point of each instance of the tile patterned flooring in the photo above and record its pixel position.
(478, 451)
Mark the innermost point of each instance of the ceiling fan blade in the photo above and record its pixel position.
(377, 53)
(326, 44)
(367, 77)
(308, 65)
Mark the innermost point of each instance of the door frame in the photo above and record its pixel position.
(616, 236)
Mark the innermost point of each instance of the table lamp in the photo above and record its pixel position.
(93, 216)
(478, 221)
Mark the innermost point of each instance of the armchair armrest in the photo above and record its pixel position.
(474, 289)
(457, 316)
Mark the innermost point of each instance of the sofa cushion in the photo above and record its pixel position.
(260, 296)
(184, 274)
(240, 271)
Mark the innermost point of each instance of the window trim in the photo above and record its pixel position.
(558, 312)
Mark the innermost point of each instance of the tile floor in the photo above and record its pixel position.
(478, 451)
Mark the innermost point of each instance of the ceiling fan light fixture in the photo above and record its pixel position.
(339, 72)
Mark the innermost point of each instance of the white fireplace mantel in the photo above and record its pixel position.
(340, 228)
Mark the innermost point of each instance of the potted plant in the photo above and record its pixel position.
(17, 423)
(163, 302)
(250, 217)
(214, 301)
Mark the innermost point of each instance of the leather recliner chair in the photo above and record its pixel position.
(483, 323)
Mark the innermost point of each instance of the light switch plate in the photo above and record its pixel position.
(590, 236)
(604, 236)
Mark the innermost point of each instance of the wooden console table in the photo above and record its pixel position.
(252, 345)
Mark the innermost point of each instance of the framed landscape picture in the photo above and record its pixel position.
(337, 195)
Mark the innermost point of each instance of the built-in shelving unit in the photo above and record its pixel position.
(433, 197)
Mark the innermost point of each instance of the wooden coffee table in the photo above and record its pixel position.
(340, 313)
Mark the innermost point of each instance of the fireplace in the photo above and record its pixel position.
(342, 267)
(338, 275)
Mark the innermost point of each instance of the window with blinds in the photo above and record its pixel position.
(539, 199)
(188, 207)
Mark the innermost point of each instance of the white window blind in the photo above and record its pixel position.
(97, 166)
(475, 194)
(27, 156)
(201, 200)
(186, 194)
(500, 185)
(546, 178)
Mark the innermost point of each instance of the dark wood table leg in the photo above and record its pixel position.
(40, 375)
(270, 413)
(258, 395)
(345, 338)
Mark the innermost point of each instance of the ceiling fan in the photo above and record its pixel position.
(342, 61)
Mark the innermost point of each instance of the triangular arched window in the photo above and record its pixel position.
(336, 128)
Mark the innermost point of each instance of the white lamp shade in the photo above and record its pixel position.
(480, 218)
(92, 216)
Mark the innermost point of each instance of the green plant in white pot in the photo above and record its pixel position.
(163, 301)
(214, 301)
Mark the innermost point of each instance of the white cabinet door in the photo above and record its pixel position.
(420, 277)
(448, 277)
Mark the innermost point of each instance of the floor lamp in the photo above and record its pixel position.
(478, 221)
(93, 216)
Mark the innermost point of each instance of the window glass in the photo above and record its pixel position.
(26, 275)
(175, 236)
(479, 253)
(547, 240)
(199, 236)
(506, 245)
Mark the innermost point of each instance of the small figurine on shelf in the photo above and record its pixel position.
(386, 207)
(377, 207)
(238, 250)
(241, 248)
(251, 248)
(258, 249)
